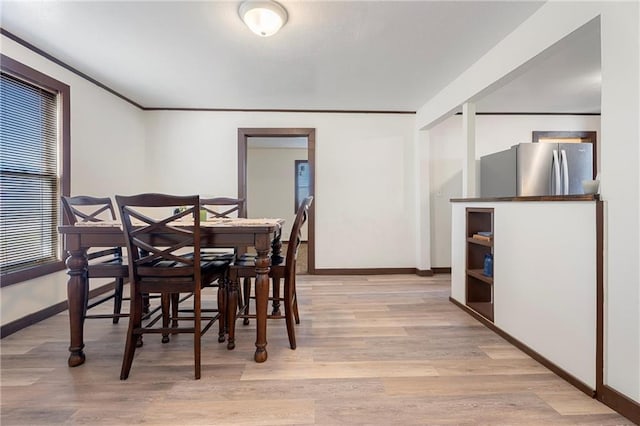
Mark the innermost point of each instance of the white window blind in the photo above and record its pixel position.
(29, 178)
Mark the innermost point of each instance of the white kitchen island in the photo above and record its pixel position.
(544, 292)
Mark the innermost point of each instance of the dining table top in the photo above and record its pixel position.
(237, 224)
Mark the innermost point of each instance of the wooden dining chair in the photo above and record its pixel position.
(245, 268)
(170, 264)
(104, 263)
(226, 208)
(223, 208)
(219, 208)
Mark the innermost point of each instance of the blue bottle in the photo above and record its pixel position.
(488, 265)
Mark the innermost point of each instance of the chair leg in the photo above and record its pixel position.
(222, 308)
(166, 300)
(294, 299)
(288, 315)
(146, 303)
(276, 296)
(296, 315)
(135, 321)
(197, 332)
(175, 307)
(247, 298)
(117, 300)
(232, 308)
(86, 299)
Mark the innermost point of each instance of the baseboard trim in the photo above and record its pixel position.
(376, 271)
(364, 271)
(34, 318)
(620, 403)
(441, 270)
(579, 384)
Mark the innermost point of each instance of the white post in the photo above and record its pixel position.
(469, 137)
(423, 197)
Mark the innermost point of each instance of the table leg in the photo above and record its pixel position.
(262, 297)
(77, 288)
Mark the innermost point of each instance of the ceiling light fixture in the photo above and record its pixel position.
(263, 17)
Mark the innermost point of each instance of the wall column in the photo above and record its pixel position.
(469, 187)
(423, 197)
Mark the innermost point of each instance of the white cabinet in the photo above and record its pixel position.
(544, 281)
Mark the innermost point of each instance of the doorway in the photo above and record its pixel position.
(243, 143)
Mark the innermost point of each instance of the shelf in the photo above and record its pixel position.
(477, 273)
(483, 308)
(480, 242)
(479, 287)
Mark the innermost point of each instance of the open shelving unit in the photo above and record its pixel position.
(479, 287)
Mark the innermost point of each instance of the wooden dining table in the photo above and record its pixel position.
(78, 239)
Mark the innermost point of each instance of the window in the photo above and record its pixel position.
(34, 170)
(301, 182)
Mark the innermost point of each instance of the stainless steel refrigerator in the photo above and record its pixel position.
(536, 169)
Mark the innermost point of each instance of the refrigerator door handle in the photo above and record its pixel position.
(565, 172)
(555, 188)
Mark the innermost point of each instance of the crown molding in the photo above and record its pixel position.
(143, 108)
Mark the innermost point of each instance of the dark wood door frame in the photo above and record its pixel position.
(310, 134)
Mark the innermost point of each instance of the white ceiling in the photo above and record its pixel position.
(331, 55)
(566, 78)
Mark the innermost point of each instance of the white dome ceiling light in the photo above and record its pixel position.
(263, 17)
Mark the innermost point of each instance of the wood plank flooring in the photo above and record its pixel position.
(377, 350)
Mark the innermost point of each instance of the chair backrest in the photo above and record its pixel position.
(296, 234)
(83, 208)
(156, 245)
(223, 207)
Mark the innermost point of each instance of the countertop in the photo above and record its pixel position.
(581, 197)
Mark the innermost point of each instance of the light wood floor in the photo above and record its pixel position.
(379, 350)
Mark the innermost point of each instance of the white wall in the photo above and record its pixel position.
(365, 187)
(271, 184)
(493, 133)
(621, 191)
(365, 198)
(620, 149)
(446, 151)
(107, 138)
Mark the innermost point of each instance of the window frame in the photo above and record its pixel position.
(63, 91)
